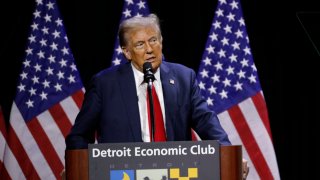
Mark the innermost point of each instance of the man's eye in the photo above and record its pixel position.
(153, 41)
(139, 45)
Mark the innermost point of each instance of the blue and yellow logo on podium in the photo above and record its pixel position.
(147, 174)
(122, 175)
(175, 174)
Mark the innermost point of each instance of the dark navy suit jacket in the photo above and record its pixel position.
(111, 108)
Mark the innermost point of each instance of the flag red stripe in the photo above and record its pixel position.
(45, 147)
(261, 107)
(1, 167)
(250, 143)
(78, 98)
(21, 155)
(61, 119)
(4, 172)
(3, 131)
(2, 125)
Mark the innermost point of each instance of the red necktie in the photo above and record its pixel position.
(160, 133)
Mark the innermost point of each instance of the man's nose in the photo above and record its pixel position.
(148, 48)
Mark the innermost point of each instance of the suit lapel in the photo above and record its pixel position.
(130, 100)
(169, 86)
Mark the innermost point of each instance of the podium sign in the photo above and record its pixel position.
(159, 160)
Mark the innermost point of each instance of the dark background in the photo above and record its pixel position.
(305, 80)
(284, 56)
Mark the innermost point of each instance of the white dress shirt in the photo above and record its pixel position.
(142, 100)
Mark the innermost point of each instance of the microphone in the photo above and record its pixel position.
(149, 78)
(148, 74)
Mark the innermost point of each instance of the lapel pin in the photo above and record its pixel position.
(171, 81)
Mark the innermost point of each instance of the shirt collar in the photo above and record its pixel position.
(138, 75)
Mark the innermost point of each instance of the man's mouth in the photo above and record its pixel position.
(150, 59)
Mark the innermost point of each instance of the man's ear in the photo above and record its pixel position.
(126, 53)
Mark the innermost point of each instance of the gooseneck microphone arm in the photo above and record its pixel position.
(149, 78)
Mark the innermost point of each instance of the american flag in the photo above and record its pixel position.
(229, 82)
(130, 9)
(48, 97)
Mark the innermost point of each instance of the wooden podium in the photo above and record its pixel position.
(230, 163)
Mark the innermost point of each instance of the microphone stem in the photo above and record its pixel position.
(151, 110)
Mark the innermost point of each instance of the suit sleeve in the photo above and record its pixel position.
(205, 121)
(83, 130)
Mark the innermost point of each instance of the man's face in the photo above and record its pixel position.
(144, 45)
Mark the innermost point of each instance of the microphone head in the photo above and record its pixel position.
(148, 74)
(147, 66)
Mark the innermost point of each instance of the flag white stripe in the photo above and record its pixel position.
(53, 132)
(12, 166)
(70, 108)
(260, 134)
(3, 143)
(234, 137)
(29, 144)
